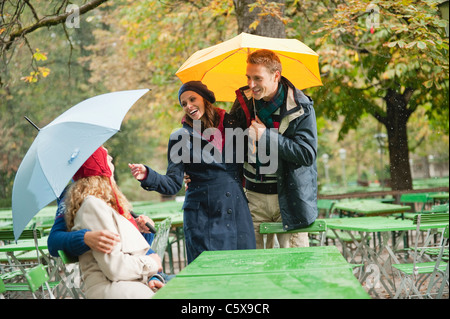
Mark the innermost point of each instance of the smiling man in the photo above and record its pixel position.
(271, 101)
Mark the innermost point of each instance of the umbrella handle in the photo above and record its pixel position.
(149, 226)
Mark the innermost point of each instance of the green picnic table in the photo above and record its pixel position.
(25, 250)
(235, 262)
(439, 198)
(285, 273)
(43, 219)
(360, 229)
(161, 211)
(170, 207)
(6, 225)
(368, 208)
(5, 215)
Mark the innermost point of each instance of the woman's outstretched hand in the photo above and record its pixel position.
(138, 171)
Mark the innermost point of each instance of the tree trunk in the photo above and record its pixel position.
(397, 115)
(269, 26)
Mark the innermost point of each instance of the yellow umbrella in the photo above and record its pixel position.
(222, 67)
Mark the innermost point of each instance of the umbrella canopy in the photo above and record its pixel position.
(60, 149)
(222, 67)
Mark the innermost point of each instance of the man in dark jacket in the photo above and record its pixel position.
(277, 113)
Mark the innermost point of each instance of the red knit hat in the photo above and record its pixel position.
(95, 165)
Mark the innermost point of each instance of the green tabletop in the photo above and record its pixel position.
(264, 261)
(6, 225)
(5, 215)
(377, 224)
(169, 207)
(370, 207)
(439, 196)
(286, 273)
(45, 214)
(25, 245)
(161, 211)
(338, 283)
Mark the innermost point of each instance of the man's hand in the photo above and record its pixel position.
(256, 129)
(101, 240)
(138, 171)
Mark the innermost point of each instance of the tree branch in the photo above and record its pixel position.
(32, 10)
(50, 21)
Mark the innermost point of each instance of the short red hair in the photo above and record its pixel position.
(267, 58)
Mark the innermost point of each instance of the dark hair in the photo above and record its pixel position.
(199, 88)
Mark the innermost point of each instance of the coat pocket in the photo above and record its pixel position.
(191, 205)
(191, 214)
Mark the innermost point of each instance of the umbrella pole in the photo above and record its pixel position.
(35, 126)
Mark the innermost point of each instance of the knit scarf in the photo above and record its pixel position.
(266, 109)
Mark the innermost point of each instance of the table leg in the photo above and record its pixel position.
(375, 267)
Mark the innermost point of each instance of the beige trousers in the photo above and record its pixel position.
(265, 209)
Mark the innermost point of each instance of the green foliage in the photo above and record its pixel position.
(408, 49)
(142, 43)
(45, 99)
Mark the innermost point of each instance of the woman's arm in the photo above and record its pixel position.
(61, 239)
(77, 242)
(172, 181)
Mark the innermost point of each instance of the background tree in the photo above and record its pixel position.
(44, 99)
(261, 17)
(124, 45)
(388, 61)
(20, 18)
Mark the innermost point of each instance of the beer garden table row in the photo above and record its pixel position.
(367, 208)
(274, 269)
(287, 273)
(378, 257)
(439, 197)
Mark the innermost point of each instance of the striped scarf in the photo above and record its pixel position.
(266, 109)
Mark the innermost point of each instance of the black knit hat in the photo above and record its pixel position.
(197, 87)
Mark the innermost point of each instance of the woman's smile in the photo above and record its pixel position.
(193, 104)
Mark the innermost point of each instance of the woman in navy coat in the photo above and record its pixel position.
(216, 214)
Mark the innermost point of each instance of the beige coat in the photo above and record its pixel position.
(124, 272)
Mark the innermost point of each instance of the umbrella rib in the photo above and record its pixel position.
(233, 53)
(288, 57)
(248, 51)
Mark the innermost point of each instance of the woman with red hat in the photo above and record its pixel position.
(95, 202)
(216, 214)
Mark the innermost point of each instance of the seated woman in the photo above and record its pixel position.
(95, 202)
